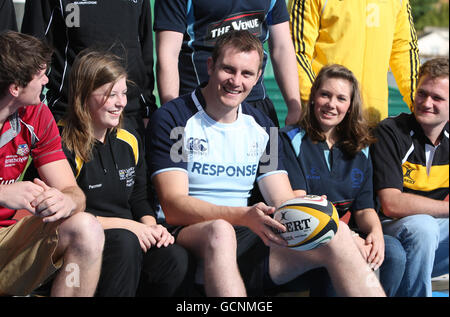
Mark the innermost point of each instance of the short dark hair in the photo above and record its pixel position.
(21, 57)
(434, 68)
(242, 40)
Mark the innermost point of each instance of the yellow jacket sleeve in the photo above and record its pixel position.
(304, 26)
(404, 60)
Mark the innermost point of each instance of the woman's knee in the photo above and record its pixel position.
(123, 243)
(166, 270)
(181, 261)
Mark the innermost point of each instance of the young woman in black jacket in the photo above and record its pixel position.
(140, 256)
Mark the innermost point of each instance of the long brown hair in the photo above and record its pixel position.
(90, 70)
(353, 131)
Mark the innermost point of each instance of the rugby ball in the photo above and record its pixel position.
(310, 221)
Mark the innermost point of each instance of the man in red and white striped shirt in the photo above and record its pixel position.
(59, 233)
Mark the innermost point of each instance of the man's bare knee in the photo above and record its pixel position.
(221, 235)
(340, 239)
(206, 238)
(83, 233)
(341, 246)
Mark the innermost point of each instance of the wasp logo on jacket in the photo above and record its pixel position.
(250, 21)
(407, 178)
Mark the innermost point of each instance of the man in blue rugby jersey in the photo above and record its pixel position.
(201, 151)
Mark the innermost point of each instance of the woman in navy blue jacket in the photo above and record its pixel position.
(328, 154)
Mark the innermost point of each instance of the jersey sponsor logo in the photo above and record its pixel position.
(7, 181)
(357, 177)
(250, 21)
(224, 171)
(12, 160)
(185, 150)
(127, 175)
(23, 150)
(95, 186)
(84, 2)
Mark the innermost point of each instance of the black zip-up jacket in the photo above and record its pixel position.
(114, 180)
(71, 26)
(7, 16)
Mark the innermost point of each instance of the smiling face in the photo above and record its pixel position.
(331, 103)
(106, 105)
(431, 102)
(31, 93)
(231, 78)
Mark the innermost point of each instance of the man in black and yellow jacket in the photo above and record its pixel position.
(411, 179)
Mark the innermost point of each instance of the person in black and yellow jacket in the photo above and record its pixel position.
(140, 257)
(411, 179)
(366, 36)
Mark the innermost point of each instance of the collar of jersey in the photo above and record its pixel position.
(13, 131)
(201, 110)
